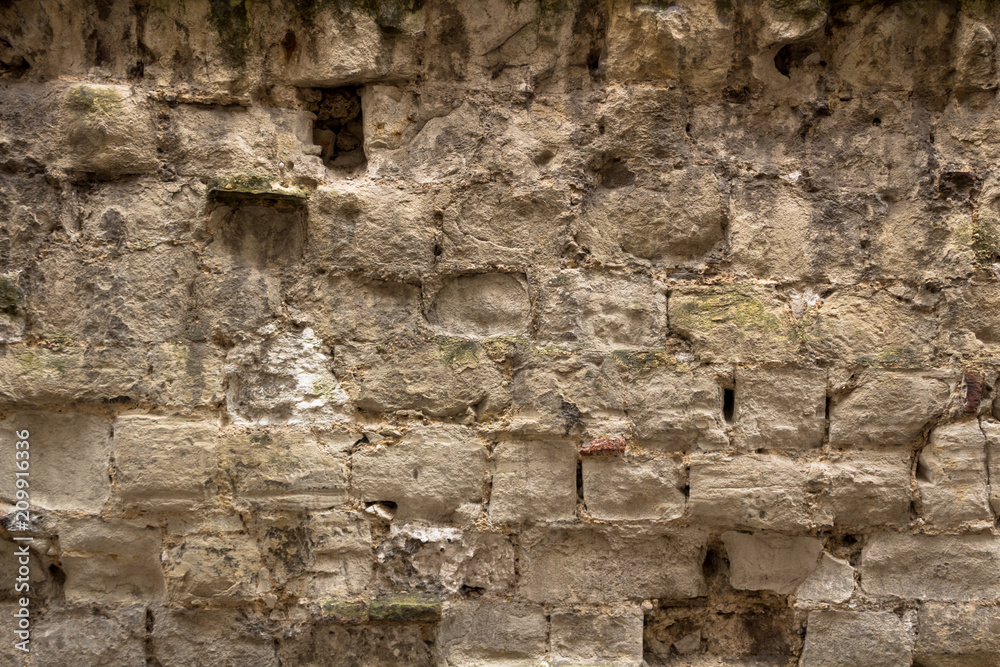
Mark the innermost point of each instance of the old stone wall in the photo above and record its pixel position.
(501, 332)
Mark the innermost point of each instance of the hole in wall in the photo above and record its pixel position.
(877, 122)
(728, 404)
(339, 128)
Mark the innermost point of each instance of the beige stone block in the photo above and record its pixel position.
(341, 554)
(770, 562)
(80, 636)
(610, 564)
(952, 476)
(992, 431)
(282, 469)
(68, 458)
(957, 635)
(675, 410)
(111, 561)
(831, 582)
(217, 637)
(435, 473)
(856, 639)
(213, 569)
(481, 633)
(633, 488)
(165, 463)
(369, 643)
(779, 408)
(597, 637)
(949, 568)
(108, 130)
(533, 481)
(867, 488)
(888, 408)
(482, 305)
(758, 491)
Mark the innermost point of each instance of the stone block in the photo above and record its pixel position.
(106, 130)
(234, 301)
(533, 481)
(888, 408)
(676, 410)
(604, 311)
(597, 637)
(287, 378)
(558, 392)
(480, 633)
(610, 564)
(831, 582)
(38, 376)
(435, 473)
(856, 639)
(289, 470)
(366, 644)
(734, 323)
(948, 568)
(219, 570)
(867, 488)
(482, 305)
(752, 491)
(340, 556)
(190, 375)
(217, 637)
(776, 563)
(68, 456)
(779, 408)
(952, 476)
(68, 636)
(992, 431)
(634, 488)
(350, 308)
(111, 562)
(445, 560)
(958, 635)
(165, 463)
(444, 378)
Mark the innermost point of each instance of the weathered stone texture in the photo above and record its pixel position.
(846, 638)
(533, 481)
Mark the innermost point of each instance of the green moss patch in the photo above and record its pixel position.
(255, 188)
(405, 608)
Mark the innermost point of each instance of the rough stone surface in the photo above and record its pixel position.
(779, 409)
(533, 481)
(845, 638)
(952, 475)
(633, 488)
(489, 633)
(770, 562)
(955, 635)
(597, 637)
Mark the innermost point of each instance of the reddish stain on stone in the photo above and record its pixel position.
(973, 391)
(614, 444)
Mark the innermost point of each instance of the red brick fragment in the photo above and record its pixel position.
(612, 444)
(973, 391)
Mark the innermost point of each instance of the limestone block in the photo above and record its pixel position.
(676, 219)
(952, 475)
(377, 230)
(111, 562)
(533, 481)
(992, 431)
(558, 392)
(445, 559)
(602, 311)
(958, 635)
(480, 633)
(831, 582)
(286, 378)
(389, 115)
(482, 305)
(373, 643)
(786, 22)
(444, 378)
(633, 488)
(872, 327)
(888, 408)
(68, 636)
(488, 225)
(288, 470)
(770, 562)
(189, 375)
(740, 323)
(610, 564)
(856, 639)
(221, 637)
(235, 302)
(643, 120)
(867, 488)
(974, 308)
(68, 457)
(592, 637)
(39, 376)
(435, 473)
(341, 554)
(213, 569)
(782, 408)
(107, 130)
(676, 410)
(753, 491)
(950, 568)
(165, 463)
(343, 308)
